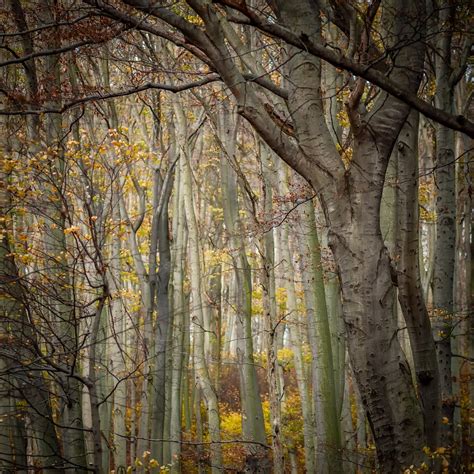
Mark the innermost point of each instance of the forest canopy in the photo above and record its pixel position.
(236, 236)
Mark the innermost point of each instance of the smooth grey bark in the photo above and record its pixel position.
(147, 300)
(326, 398)
(201, 369)
(160, 256)
(116, 334)
(410, 292)
(350, 200)
(163, 318)
(64, 314)
(266, 248)
(92, 385)
(178, 303)
(13, 437)
(337, 331)
(112, 349)
(444, 255)
(296, 341)
(463, 302)
(251, 405)
(154, 283)
(21, 379)
(350, 197)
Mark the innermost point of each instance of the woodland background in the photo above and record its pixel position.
(230, 241)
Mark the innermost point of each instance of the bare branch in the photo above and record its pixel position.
(111, 95)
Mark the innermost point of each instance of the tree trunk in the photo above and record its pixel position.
(319, 336)
(410, 292)
(179, 244)
(443, 272)
(271, 326)
(162, 325)
(296, 339)
(197, 318)
(56, 250)
(380, 368)
(21, 380)
(252, 413)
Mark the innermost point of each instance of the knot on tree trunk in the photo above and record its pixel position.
(425, 377)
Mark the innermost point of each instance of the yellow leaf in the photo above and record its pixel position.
(72, 230)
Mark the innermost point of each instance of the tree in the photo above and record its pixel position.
(215, 269)
(350, 197)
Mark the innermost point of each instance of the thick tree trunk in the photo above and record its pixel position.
(380, 368)
(350, 198)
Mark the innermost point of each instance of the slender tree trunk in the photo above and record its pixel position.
(443, 272)
(118, 346)
(94, 397)
(319, 336)
(197, 316)
(179, 244)
(252, 413)
(267, 280)
(410, 291)
(162, 325)
(296, 343)
(464, 294)
(20, 381)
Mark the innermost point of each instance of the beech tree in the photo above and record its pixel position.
(208, 185)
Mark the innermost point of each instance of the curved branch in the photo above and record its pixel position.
(369, 73)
